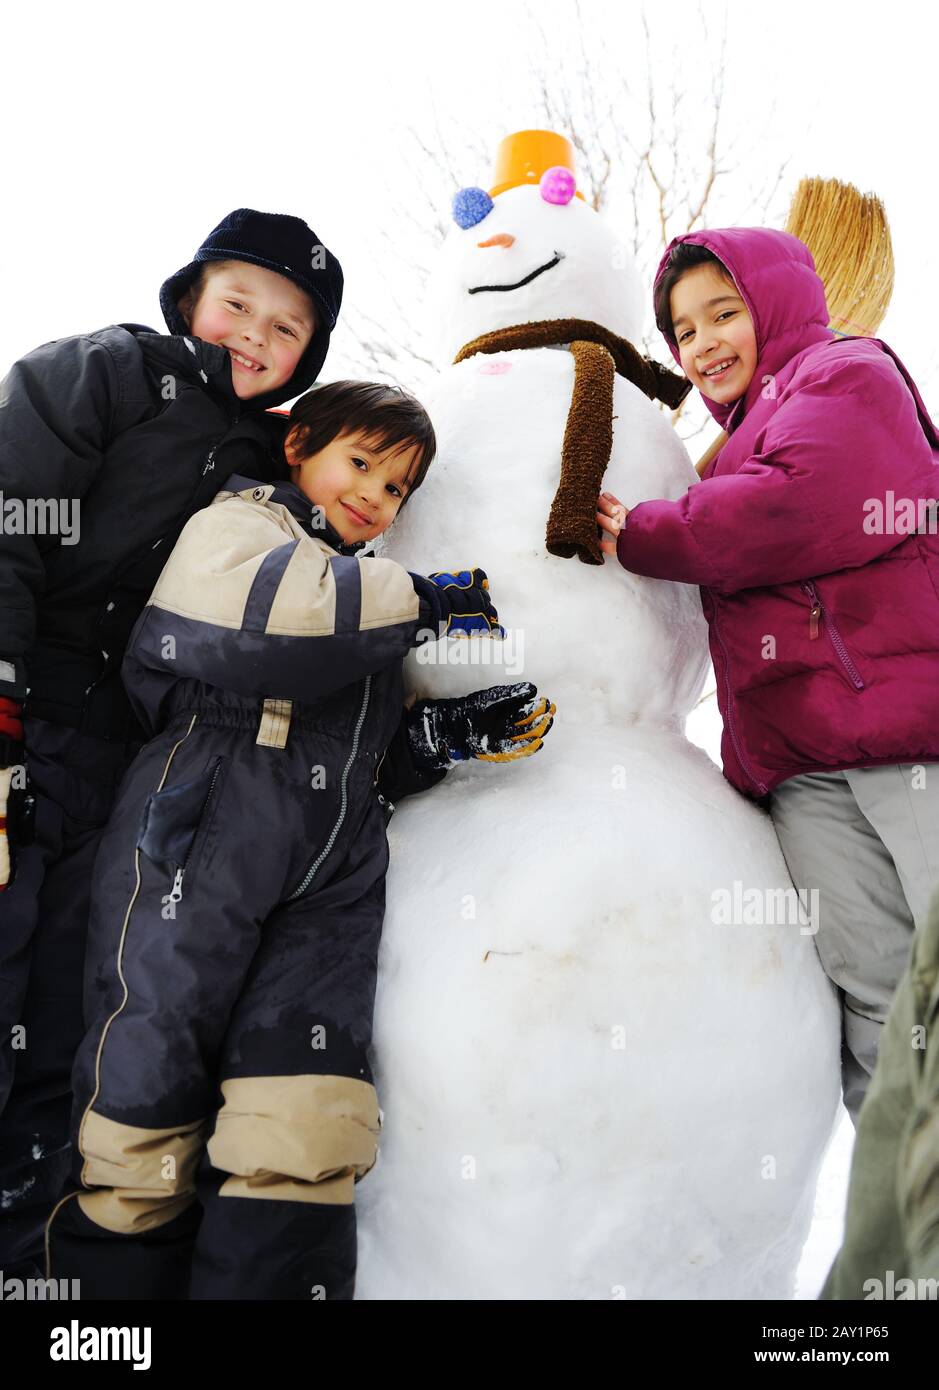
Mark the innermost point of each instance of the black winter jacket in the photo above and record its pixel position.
(141, 428)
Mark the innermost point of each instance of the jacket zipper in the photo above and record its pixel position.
(95, 683)
(176, 892)
(387, 806)
(819, 610)
(129, 563)
(343, 802)
(208, 468)
(731, 726)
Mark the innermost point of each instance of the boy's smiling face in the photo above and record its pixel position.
(263, 318)
(712, 325)
(359, 485)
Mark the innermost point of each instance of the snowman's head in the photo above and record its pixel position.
(531, 251)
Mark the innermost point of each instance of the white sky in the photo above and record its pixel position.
(130, 130)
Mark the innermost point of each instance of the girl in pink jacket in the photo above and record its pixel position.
(813, 538)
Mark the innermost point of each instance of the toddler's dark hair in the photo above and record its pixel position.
(685, 255)
(386, 415)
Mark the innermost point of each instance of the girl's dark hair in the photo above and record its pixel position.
(685, 255)
(386, 415)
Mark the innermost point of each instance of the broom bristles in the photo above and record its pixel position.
(848, 236)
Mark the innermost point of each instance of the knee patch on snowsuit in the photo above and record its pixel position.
(295, 1138)
(140, 1178)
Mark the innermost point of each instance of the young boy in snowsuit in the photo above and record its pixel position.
(135, 429)
(239, 892)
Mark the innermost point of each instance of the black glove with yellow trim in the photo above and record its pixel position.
(495, 725)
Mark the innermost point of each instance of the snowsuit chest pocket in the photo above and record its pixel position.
(177, 817)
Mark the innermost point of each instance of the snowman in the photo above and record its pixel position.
(605, 1049)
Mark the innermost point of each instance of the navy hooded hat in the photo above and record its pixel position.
(287, 246)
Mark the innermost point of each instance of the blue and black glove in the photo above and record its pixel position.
(495, 725)
(459, 599)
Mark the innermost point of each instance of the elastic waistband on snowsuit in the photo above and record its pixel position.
(333, 715)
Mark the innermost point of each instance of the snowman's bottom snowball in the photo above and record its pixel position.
(591, 1087)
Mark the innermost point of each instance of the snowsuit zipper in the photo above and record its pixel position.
(819, 610)
(343, 800)
(728, 705)
(176, 892)
(120, 1008)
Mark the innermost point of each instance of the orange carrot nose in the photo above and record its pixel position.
(503, 239)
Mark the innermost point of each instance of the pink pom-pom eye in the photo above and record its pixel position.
(558, 185)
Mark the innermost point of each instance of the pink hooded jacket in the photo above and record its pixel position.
(821, 596)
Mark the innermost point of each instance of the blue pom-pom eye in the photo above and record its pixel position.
(470, 206)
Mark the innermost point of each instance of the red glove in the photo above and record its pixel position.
(11, 754)
(11, 728)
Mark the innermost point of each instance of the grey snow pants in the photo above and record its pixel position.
(867, 839)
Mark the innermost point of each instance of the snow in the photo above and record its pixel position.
(591, 1088)
(827, 1228)
(703, 728)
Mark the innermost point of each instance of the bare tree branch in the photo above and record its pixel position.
(642, 149)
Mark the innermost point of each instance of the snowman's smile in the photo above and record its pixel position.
(548, 265)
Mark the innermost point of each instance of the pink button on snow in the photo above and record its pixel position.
(557, 185)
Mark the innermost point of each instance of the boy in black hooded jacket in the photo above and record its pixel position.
(122, 434)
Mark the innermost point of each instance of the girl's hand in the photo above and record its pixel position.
(611, 515)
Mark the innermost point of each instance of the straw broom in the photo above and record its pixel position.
(848, 236)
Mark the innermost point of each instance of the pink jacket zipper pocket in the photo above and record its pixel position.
(819, 611)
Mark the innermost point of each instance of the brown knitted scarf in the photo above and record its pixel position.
(598, 355)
